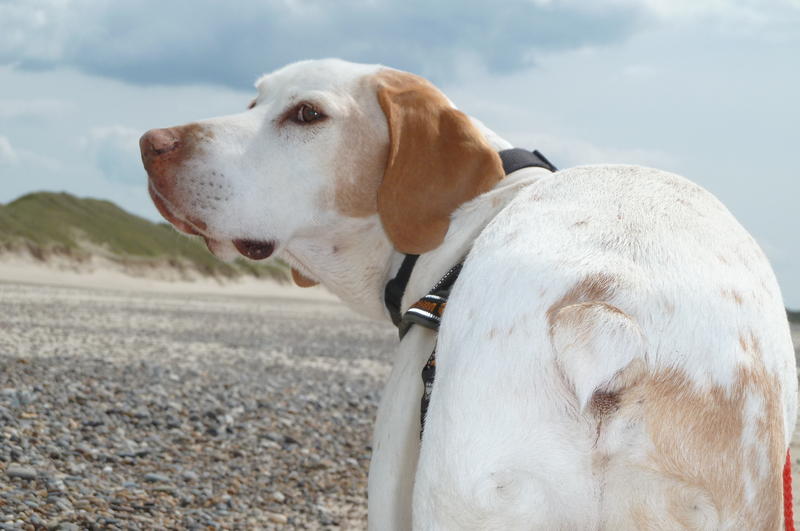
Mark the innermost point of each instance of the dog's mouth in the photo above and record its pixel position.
(247, 247)
(166, 209)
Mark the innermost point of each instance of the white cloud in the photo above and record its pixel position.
(19, 158)
(34, 28)
(32, 108)
(743, 11)
(7, 154)
(181, 41)
(569, 151)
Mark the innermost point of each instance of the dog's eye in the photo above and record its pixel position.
(252, 104)
(306, 113)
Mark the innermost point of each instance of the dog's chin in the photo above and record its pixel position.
(225, 250)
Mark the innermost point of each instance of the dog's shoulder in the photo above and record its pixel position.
(657, 247)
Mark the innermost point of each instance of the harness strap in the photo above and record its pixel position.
(428, 310)
(517, 158)
(395, 288)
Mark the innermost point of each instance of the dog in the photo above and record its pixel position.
(615, 353)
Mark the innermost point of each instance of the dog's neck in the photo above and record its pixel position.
(355, 259)
(466, 225)
(351, 257)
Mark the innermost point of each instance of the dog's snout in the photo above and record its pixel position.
(163, 153)
(157, 142)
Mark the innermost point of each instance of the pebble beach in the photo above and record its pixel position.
(124, 409)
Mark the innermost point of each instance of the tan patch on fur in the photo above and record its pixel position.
(602, 403)
(733, 295)
(579, 326)
(743, 342)
(641, 518)
(437, 161)
(750, 345)
(302, 280)
(361, 163)
(594, 288)
(697, 442)
(580, 318)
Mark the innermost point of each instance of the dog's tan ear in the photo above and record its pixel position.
(437, 161)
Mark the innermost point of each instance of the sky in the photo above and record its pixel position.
(705, 88)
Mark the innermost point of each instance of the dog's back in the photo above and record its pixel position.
(614, 355)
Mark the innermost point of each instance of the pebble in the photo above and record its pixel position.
(21, 472)
(156, 478)
(277, 518)
(189, 475)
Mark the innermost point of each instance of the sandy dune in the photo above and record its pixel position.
(26, 271)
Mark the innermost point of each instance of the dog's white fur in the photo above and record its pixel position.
(614, 355)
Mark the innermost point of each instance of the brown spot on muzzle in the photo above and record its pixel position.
(164, 152)
(160, 148)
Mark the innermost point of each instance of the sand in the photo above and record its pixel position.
(96, 276)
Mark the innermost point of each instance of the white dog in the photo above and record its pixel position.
(614, 355)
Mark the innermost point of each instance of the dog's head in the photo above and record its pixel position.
(322, 143)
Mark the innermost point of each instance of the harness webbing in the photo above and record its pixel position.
(429, 309)
(517, 158)
(428, 312)
(395, 288)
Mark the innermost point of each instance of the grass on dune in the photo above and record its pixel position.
(60, 223)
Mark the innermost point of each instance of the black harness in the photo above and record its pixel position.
(428, 310)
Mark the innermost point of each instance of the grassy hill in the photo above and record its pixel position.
(50, 224)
